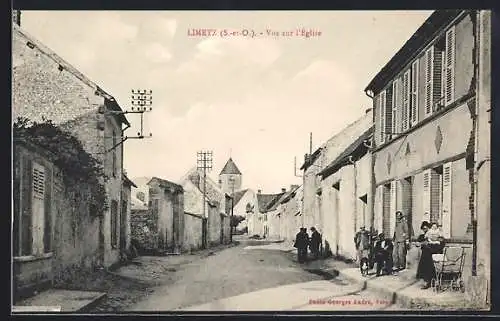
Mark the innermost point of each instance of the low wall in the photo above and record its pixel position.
(192, 232)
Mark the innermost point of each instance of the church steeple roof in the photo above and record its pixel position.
(230, 168)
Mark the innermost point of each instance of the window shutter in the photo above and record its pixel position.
(26, 231)
(388, 112)
(382, 106)
(414, 93)
(393, 207)
(426, 198)
(47, 233)
(394, 106)
(428, 60)
(406, 101)
(38, 207)
(447, 194)
(450, 66)
(437, 81)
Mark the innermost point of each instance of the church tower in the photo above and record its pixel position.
(229, 176)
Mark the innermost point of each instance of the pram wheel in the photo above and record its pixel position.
(435, 284)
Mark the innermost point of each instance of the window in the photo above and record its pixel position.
(414, 93)
(396, 105)
(114, 224)
(449, 67)
(405, 113)
(32, 220)
(433, 61)
(114, 154)
(437, 197)
(381, 108)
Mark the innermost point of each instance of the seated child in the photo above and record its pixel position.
(434, 234)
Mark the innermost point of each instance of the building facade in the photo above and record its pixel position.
(426, 120)
(44, 85)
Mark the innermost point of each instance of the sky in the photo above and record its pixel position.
(253, 99)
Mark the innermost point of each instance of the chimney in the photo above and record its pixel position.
(16, 17)
(283, 190)
(259, 191)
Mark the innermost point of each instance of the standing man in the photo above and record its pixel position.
(315, 242)
(401, 239)
(301, 243)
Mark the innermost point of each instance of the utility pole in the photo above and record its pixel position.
(204, 163)
(141, 100)
(231, 179)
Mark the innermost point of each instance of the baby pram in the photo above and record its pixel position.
(449, 268)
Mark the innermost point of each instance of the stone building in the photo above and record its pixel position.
(216, 226)
(45, 85)
(291, 214)
(55, 235)
(230, 178)
(167, 209)
(327, 207)
(246, 205)
(427, 116)
(345, 190)
(256, 219)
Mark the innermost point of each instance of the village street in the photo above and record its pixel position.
(253, 275)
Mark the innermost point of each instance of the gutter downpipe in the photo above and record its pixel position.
(371, 199)
(355, 199)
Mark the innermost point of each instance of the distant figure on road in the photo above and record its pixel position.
(301, 243)
(401, 240)
(315, 243)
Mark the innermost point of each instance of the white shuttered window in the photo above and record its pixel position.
(405, 113)
(449, 68)
(414, 93)
(447, 197)
(426, 197)
(382, 103)
(429, 81)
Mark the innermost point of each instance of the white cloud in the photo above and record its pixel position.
(157, 53)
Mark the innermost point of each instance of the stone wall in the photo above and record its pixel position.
(71, 239)
(144, 229)
(192, 239)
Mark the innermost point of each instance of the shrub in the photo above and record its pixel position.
(78, 166)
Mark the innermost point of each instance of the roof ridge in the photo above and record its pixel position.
(50, 53)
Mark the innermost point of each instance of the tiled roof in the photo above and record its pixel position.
(311, 159)
(273, 205)
(343, 158)
(213, 192)
(263, 200)
(238, 195)
(167, 184)
(35, 44)
(289, 195)
(128, 181)
(230, 168)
